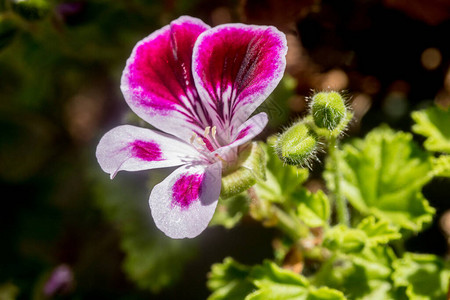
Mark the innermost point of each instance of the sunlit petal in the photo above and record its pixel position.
(157, 81)
(183, 204)
(132, 148)
(235, 68)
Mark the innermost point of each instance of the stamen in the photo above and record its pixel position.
(193, 137)
(207, 130)
(198, 143)
(213, 131)
(213, 134)
(201, 142)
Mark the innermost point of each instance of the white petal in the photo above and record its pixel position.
(133, 148)
(183, 204)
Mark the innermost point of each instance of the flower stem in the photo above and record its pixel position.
(272, 215)
(290, 225)
(339, 199)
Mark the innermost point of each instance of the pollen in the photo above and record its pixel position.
(197, 141)
(206, 142)
(200, 141)
(213, 132)
(207, 130)
(213, 138)
(193, 138)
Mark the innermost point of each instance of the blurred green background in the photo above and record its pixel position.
(68, 232)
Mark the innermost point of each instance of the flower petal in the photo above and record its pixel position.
(251, 128)
(245, 133)
(157, 81)
(183, 204)
(133, 148)
(236, 67)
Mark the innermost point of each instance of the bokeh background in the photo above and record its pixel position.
(68, 232)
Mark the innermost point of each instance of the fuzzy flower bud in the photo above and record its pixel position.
(297, 145)
(328, 109)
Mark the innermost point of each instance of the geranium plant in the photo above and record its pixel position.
(199, 86)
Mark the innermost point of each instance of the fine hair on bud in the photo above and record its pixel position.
(297, 145)
(328, 109)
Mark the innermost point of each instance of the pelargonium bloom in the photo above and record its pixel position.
(198, 86)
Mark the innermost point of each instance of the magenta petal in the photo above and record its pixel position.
(183, 204)
(132, 148)
(157, 81)
(236, 67)
(245, 133)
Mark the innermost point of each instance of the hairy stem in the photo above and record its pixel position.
(339, 199)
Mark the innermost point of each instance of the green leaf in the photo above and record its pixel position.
(383, 175)
(282, 201)
(378, 232)
(228, 280)
(433, 123)
(230, 211)
(283, 187)
(361, 275)
(369, 233)
(281, 180)
(313, 209)
(441, 166)
(347, 240)
(425, 276)
(273, 282)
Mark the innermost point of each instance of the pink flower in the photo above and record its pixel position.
(198, 85)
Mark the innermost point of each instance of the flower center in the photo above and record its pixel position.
(208, 141)
(207, 144)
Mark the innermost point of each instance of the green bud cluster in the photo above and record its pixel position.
(328, 109)
(328, 117)
(297, 145)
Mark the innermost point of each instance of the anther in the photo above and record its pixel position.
(201, 142)
(207, 130)
(193, 137)
(213, 131)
